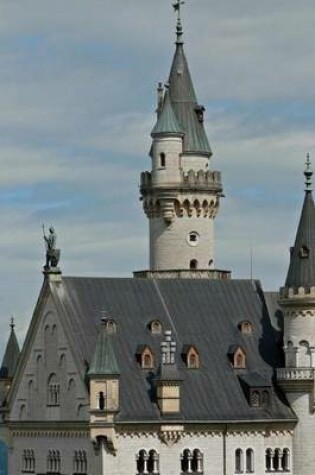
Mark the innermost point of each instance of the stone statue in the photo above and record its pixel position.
(52, 253)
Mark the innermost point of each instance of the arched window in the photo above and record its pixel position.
(53, 462)
(197, 461)
(53, 391)
(268, 462)
(142, 462)
(265, 398)
(162, 160)
(28, 461)
(191, 356)
(146, 357)
(153, 462)
(239, 463)
(186, 461)
(193, 264)
(80, 462)
(155, 327)
(304, 355)
(249, 461)
(286, 460)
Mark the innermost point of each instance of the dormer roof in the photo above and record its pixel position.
(167, 122)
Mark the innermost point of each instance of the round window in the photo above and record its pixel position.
(193, 238)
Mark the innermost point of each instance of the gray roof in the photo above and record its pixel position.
(301, 271)
(184, 103)
(104, 361)
(167, 122)
(11, 357)
(204, 313)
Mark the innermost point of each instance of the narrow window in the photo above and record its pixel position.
(286, 460)
(255, 399)
(162, 160)
(142, 462)
(186, 461)
(238, 461)
(249, 461)
(101, 401)
(153, 462)
(265, 398)
(268, 460)
(197, 461)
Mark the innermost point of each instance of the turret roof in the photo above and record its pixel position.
(104, 361)
(185, 105)
(167, 122)
(301, 271)
(11, 356)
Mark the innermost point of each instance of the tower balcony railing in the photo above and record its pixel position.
(295, 374)
(201, 180)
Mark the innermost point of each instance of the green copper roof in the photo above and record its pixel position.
(167, 122)
(185, 105)
(11, 356)
(104, 361)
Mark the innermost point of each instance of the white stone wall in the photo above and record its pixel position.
(41, 443)
(218, 451)
(304, 434)
(171, 173)
(169, 246)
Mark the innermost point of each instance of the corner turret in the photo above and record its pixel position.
(9, 364)
(297, 299)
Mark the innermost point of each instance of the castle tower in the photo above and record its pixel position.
(180, 195)
(297, 299)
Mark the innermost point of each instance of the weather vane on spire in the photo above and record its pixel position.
(179, 28)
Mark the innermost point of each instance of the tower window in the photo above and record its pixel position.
(101, 401)
(162, 160)
(193, 238)
(193, 264)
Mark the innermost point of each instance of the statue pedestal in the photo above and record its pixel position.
(52, 273)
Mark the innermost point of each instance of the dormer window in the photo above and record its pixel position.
(191, 356)
(246, 327)
(145, 357)
(155, 327)
(237, 356)
(304, 252)
(200, 113)
(111, 327)
(257, 389)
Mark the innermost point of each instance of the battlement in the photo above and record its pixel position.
(194, 181)
(296, 294)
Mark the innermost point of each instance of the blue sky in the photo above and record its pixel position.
(77, 95)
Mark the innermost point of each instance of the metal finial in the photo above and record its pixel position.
(179, 27)
(12, 324)
(308, 174)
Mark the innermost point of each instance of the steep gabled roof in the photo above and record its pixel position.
(11, 356)
(301, 271)
(203, 313)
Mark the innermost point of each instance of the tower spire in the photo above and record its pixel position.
(308, 174)
(179, 27)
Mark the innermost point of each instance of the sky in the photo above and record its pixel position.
(78, 94)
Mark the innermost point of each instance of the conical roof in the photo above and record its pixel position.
(301, 271)
(185, 105)
(167, 122)
(104, 361)
(11, 356)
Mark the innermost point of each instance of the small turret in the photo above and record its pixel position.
(104, 386)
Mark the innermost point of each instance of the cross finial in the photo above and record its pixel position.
(12, 324)
(308, 174)
(179, 28)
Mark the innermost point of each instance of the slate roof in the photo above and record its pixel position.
(104, 361)
(184, 103)
(11, 357)
(204, 313)
(301, 271)
(167, 122)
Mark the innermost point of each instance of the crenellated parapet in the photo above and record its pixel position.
(196, 195)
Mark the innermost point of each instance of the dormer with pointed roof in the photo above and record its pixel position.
(180, 195)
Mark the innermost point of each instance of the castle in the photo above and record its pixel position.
(179, 369)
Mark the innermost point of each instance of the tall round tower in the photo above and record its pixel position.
(180, 195)
(297, 299)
